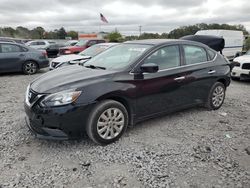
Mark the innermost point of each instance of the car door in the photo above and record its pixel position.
(199, 72)
(11, 57)
(162, 91)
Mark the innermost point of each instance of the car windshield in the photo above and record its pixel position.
(94, 50)
(81, 43)
(118, 57)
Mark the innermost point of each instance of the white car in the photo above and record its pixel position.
(241, 69)
(80, 58)
(39, 44)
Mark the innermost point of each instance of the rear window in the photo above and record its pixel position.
(194, 54)
(211, 54)
(10, 48)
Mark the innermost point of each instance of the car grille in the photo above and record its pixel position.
(246, 66)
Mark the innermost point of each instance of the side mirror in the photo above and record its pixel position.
(149, 68)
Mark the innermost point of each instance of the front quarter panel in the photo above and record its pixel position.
(118, 86)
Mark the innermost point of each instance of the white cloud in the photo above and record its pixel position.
(125, 15)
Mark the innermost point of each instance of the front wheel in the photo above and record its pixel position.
(30, 67)
(216, 96)
(107, 122)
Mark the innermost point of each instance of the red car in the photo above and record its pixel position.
(79, 46)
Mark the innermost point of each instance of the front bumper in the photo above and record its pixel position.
(60, 123)
(238, 72)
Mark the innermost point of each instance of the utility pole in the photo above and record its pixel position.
(140, 30)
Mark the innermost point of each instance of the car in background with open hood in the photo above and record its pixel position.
(79, 46)
(81, 57)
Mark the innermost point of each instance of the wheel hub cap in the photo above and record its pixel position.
(30, 68)
(218, 96)
(110, 123)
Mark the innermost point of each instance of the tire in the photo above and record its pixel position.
(107, 122)
(30, 67)
(216, 96)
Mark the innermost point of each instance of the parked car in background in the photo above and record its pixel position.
(51, 47)
(80, 46)
(52, 50)
(123, 85)
(81, 57)
(39, 44)
(20, 58)
(14, 40)
(233, 40)
(71, 43)
(241, 69)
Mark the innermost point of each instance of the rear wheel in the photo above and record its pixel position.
(216, 96)
(30, 67)
(107, 122)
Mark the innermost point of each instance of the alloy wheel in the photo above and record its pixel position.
(30, 68)
(110, 123)
(218, 96)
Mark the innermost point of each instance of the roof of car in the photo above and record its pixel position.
(156, 42)
(152, 41)
(8, 42)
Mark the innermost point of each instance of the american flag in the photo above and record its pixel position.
(103, 18)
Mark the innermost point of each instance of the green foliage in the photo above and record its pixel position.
(36, 33)
(114, 36)
(61, 33)
(72, 34)
(192, 29)
(247, 44)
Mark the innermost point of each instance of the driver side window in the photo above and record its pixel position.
(166, 57)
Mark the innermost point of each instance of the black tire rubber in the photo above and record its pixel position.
(27, 62)
(100, 107)
(209, 105)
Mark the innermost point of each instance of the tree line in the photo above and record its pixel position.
(41, 33)
(36, 33)
(188, 30)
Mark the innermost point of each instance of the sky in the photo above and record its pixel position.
(124, 15)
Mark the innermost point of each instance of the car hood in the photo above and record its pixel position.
(72, 57)
(70, 77)
(243, 59)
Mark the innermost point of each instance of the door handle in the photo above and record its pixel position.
(211, 72)
(179, 78)
(21, 55)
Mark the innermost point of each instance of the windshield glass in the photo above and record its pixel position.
(94, 50)
(118, 57)
(81, 43)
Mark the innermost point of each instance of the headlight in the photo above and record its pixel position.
(61, 98)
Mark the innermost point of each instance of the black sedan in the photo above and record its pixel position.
(125, 84)
(20, 58)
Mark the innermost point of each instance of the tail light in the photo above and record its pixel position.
(67, 52)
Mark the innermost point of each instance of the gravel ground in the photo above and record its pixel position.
(192, 148)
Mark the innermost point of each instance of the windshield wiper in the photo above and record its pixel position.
(95, 67)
